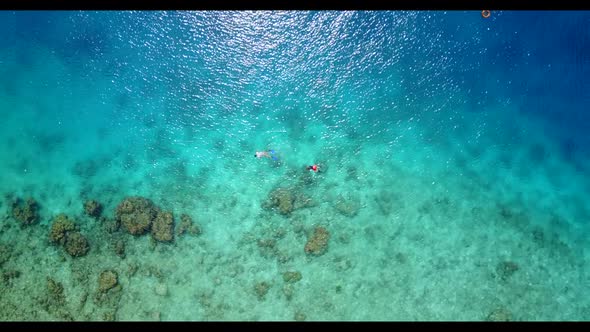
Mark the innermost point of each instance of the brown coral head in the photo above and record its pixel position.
(317, 244)
(136, 214)
(92, 208)
(107, 280)
(25, 212)
(60, 228)
(76, 244)
(163, 227)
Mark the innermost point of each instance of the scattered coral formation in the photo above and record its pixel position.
(59, 229)
(136, 214)
(347, 205)
(119, 247)
(108, 294)
(261, 289)
(107, 280)
(161, 290)
(110, 225)
(268, 247)
(352, 173)
(292, 276)
(163, 227)
(317, 243)
(5, 254)
(303, 201)
(54, 301)
(92, 208)
(299, 316)
(306, 178)
(506, 269)
(285, 200)
(55, 292)
(64, 232)
(282, 200)
(186, 225)
(76, 244)
(25, 212)
(500, 314)
(288, 291)
(384, 201)
(109, 316)
(538, 235)
(8, 275)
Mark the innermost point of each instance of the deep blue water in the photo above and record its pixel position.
(537, 57)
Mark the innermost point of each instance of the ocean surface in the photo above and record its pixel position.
(453, 151)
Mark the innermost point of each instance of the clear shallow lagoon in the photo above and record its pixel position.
(455, 181)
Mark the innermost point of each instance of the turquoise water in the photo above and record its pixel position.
(453, 152)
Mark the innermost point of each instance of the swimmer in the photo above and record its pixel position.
(266, 154)
(314, 168)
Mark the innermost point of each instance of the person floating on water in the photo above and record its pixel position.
(273, 155)
(314, 168)
(266, 154)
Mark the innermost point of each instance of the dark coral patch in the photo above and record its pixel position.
(136, 214)
(26, 212)
(317, 243)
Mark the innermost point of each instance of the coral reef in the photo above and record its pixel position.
(286, 200)
(64, 232)
(500, 314)
(317, 243)
(76, 244)
(8, 275)
(261, 289)
(25, 212)
(292, 276)
(108, 294)
(299, 316)
(109, 316)
(5, 254)
(163, 227)
(92, 208)
(186, 225)
(110, 225)
(280, 199)
(161, 289)
(506, 269)
(107, 280)
(288, 291)
(86, 168)
(268, 247)
(538, 235)
(54, 301)
(348, 205)
(119, 247)
(351, 173)
(306, 178)
(59, 229)
(132, 269)
(136, 214)
(303, 201)
(384, 201)
(55, 292)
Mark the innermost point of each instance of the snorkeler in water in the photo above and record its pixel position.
(314, 168)
(266, 154)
